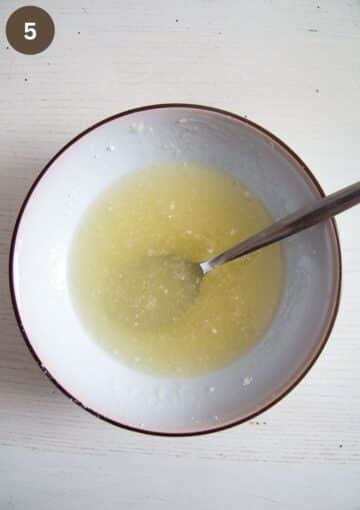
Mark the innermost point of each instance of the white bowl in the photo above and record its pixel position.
(57, 338)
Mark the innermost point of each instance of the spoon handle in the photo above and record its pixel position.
(297, 221)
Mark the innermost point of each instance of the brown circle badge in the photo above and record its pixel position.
(30, 30)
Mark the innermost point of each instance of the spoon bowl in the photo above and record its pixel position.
(156, 290)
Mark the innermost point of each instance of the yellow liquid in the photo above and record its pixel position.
(134, 285)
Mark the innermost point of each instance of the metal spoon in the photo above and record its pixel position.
(184, 277)
(303, 218)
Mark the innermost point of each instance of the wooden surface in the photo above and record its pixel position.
(293, 67)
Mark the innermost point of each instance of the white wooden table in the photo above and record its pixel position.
(294, 67)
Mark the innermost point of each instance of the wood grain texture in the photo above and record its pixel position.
(294, 67)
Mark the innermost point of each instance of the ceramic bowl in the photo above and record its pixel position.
(101, 384)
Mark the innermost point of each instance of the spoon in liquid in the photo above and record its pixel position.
(306, 217)
(159, 289)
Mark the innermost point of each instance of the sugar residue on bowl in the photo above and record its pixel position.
(128, 297)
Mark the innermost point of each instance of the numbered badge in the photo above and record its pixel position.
(30, 30)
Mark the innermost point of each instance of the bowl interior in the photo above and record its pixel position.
(62, 344)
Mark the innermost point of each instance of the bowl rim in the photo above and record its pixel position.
(333, 301)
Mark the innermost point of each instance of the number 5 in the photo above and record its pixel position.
(30, 31)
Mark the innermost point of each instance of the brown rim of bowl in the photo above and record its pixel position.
(334, 302)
